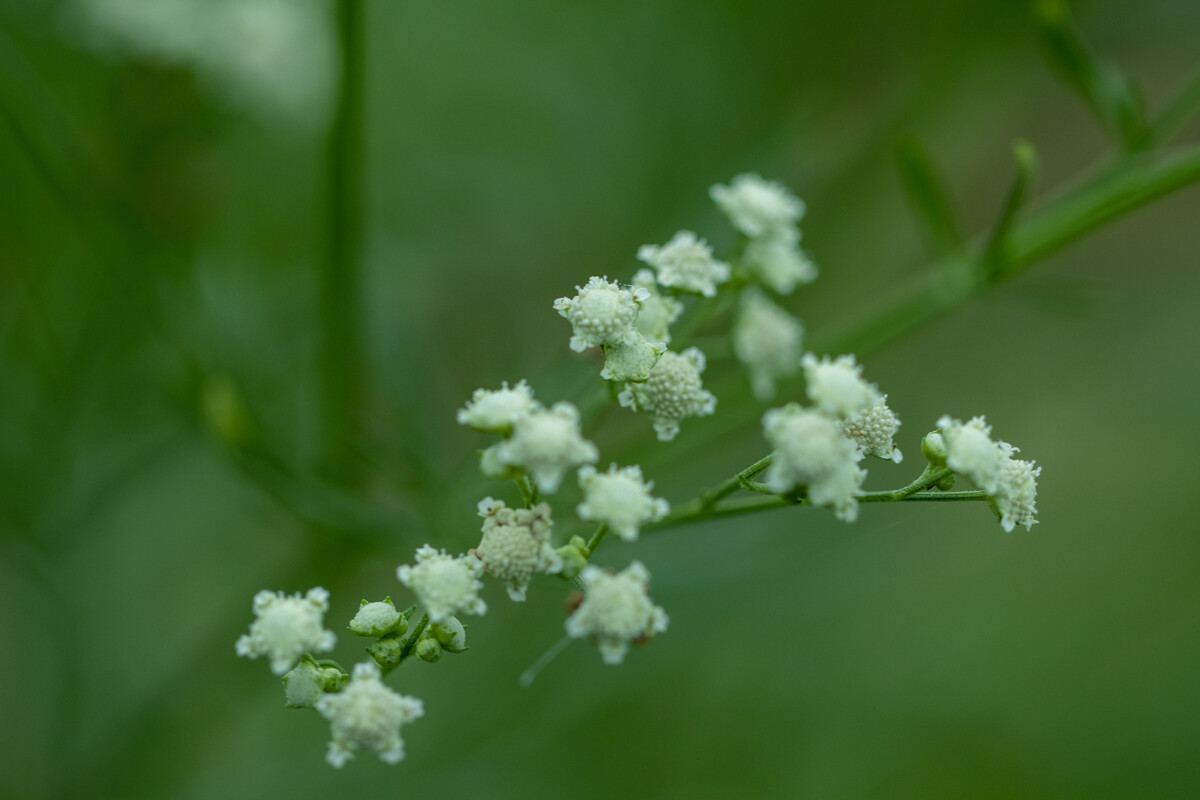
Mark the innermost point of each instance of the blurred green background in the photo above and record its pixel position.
(161, 229)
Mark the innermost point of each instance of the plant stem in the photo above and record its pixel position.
(595, 541)
(410, 643)
(342, 380)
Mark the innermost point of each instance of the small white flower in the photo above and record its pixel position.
(367, 715)
(620, 499)
(873, 429)
(673, 392)
(286, 628)
(757, 207)
(811, 451)
(496, 411)
(776, 260)
(1016, 493)
(686, 263)
(767, 340)
(601, 313)
(516, 544)
(837, 387)
(547, 444)
(617, 611)
(970, 451)
(658, 311)
(445, 585)
(375, 619)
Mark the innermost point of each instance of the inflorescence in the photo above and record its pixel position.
(818, 453)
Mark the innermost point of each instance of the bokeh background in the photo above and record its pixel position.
(162, 204)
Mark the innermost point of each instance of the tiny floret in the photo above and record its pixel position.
(445, 585)
(873, 430)
(970, 451)
(285, 628)
(376, 619)
(1016, 494)
(617, 611)
(620, 499)
(767, 340)
(308, 682)
(631, 362)
(686, 262)
(776, 261)
(673, 392)
(658, 312)
(367, 715)
(602, 312)
(547, 444)
(756, 206)
(496, 411)
(516, 544)
(837, 386)
(812, 451)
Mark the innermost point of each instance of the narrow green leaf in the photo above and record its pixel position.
(1101, 84)
(995, 254)
(929, 197)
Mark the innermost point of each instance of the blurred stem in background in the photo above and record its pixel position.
(342, 377)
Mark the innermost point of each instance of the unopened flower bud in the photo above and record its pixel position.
(573, 559)
(429, 649)
(309, 681)
(378, 619)
(451, 634)
(933, 447)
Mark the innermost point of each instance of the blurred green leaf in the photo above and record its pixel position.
(929, 197)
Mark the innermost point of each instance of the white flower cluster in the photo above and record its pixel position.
(767, 213)
(620, 499)
(616, 611)
(366, 715)
(545, 443)
(1010, 483)
(819, 448)
(516, 544)
(444, 584)
(285, 628)
(673, 392)
(767, 340)
(601, 313)
(686, 263)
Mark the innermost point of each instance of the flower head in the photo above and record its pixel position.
(673, 392)
(616, 611)
(620, 499)
(757, 207)
(658, 310)
(496, 411)
(873, 430)
(812, 451)
(367, 715)
(376, 619)
(970, 451)
(686, 262)
(547, 444)
(767, 340)
(445, 585)
(1016, 493)
(837, 387)
(775, 260)
(602, 312)
(516, 544)
(285, 628)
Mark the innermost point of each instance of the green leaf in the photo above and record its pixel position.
(1101, 84)
(1184, 106)
(995, 254)
(929, 197)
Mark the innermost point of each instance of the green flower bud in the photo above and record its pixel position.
(492, 467)
(573, 559)
(933, 447)
(630, 362)
(386, 652)
(428, 649)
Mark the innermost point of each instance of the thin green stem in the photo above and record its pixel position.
(595, 541)
(342, 381)
(727, 487)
